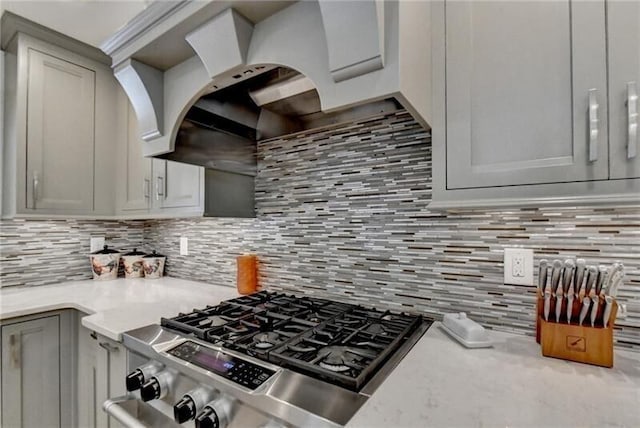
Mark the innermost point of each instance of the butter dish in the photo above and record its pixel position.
(466, 331)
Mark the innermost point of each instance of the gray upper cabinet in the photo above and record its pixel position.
(177, 185)
(149, 187)
(624, 87)
(134, 170)
(60, 134)
(518, 100)
(533, 103)
(60, 128)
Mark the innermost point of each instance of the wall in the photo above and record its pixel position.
(344, 211)
(39, 252)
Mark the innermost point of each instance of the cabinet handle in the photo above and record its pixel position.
(632, 120)
(159, 187)
(593, 125)
(109, 347)
(146, 185)
(36, 183)
(14, 344)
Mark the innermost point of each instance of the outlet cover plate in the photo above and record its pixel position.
(184, 246)
(96, 243)
(518, 266)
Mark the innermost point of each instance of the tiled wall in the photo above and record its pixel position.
(344, 211)
(38, 252)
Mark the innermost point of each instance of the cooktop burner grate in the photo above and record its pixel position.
(340, 343)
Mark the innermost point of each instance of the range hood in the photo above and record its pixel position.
(220, 131)
(175, 55)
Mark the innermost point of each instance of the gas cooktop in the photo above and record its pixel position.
(267, 359)
(339, 343)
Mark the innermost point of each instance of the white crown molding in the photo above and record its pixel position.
(155, 13)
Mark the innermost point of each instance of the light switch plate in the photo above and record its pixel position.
(96, 243)
(184, 246)
(518, 266)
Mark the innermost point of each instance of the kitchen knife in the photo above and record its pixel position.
(594, 309)
(567, 277)
(578, 277)
(550, 289)
(616, 271)
(616, 281)
(608, 305)
(602, 278)
(569, 266)
(585, 309)
(592, 276)
(542, 276)
(559, 297)
(556, 273)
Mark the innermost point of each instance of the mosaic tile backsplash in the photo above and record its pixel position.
(344, 212)
(39, 252)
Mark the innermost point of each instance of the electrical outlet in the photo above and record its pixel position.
(518, 266)
(184, 246)
(96, 243)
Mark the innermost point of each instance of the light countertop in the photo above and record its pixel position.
(442, 384)
(114, 307)
(438, 384)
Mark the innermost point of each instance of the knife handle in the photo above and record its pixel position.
(608, 305)
(586, 303)
(594, 310)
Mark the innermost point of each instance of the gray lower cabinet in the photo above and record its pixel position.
(38, 372)
(102, 365)
(535, 103)
(155, 187)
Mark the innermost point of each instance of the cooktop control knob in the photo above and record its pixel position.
(191, 403)
(185, 410)
(216, 414)
(139, 376)
(158, 386)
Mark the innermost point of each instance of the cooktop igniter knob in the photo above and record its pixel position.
(139, 376)
(216, 414)
(158, 386)
(191, 403)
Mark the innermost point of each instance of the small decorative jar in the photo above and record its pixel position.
(133, 264)
(105, 263)
(153, 265)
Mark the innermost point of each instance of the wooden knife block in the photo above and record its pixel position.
(584, 344)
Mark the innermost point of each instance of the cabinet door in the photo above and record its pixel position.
(135, 170)
(31, 373)
(624, 87)
(110, 376)
(518, 79)
(177, 185)
(60, 135)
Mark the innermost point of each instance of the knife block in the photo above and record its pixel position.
(583, 344)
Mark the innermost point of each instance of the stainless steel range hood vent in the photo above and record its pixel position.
(220, 131)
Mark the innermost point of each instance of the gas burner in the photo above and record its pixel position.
(339, 368)
(341, 359)
(265, 340)
(212, 321)
(377, 328)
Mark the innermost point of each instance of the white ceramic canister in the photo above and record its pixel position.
(105, 263)
(133, 264)
(153, 265)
